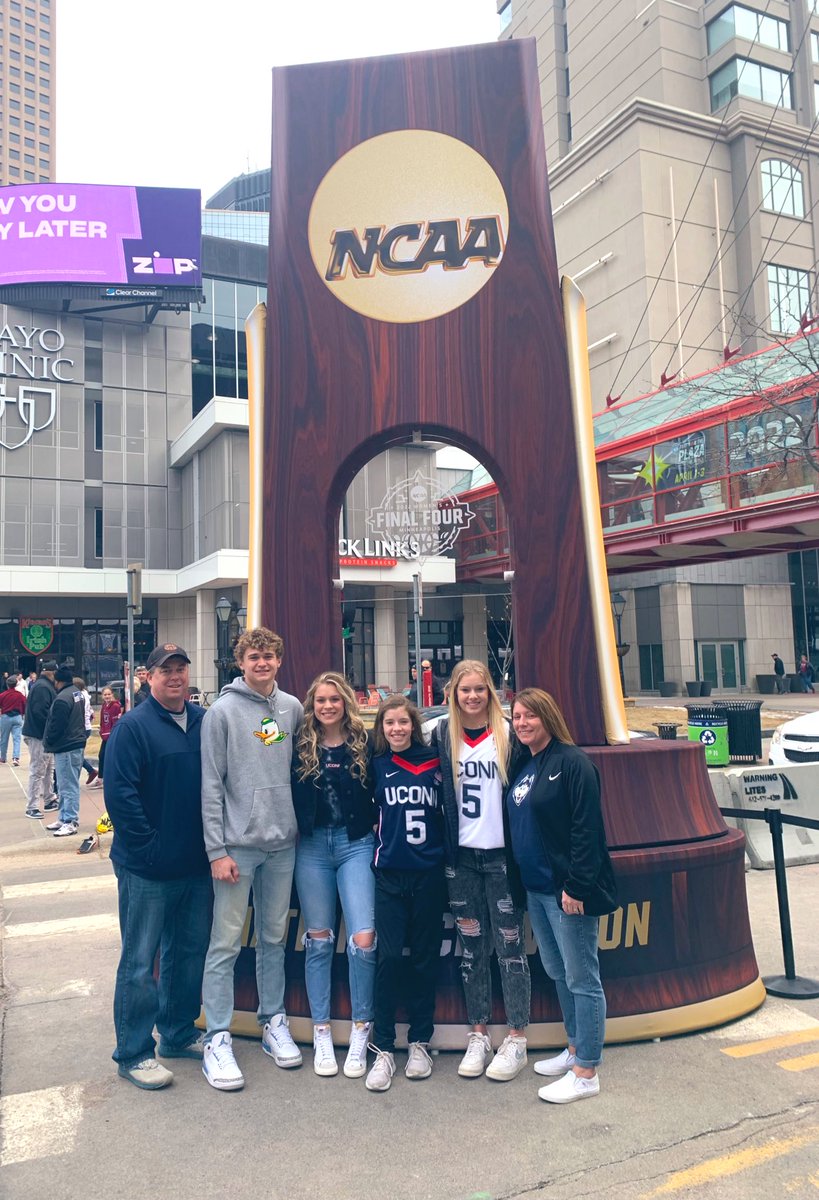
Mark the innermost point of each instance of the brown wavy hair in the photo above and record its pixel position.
(380, 743)
(547, 712)
(355, 735)
(496, 720)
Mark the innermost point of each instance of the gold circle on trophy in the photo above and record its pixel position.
(408, 225)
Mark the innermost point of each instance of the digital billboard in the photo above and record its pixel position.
(100, 233)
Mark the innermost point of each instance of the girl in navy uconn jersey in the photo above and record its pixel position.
(475, 748)
(410, 891)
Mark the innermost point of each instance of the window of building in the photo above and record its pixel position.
(97, 533)
(15, 154)
(44, 99)
(28, 142)
(741, 77)
(782, 190)
(14, 170)
(816, 97)
(789, 293)
(651, 667)
(814, 46)
(505, 16)
(29, 175)
(43, 164)
(741, 22)
(98, 424)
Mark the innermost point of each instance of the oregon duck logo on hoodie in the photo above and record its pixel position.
(269, 732)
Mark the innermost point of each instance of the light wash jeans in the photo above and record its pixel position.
(40, 769)
(11, 726)
(68, 764)
(270, 875)
(568, 950)
(171, 916)
(328, 866)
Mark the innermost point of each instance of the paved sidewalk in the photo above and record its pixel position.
(727, 1114)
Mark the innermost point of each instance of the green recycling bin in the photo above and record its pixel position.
(709, 727)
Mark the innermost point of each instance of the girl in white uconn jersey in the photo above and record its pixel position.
(475, 747)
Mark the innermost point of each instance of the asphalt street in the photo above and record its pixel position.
(730, 1112)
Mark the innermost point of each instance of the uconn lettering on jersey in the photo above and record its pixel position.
(414, 794)
(475, 769)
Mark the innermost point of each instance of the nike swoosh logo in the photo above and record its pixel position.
(391, 773)
(553, 777)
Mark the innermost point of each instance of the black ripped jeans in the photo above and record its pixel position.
(487, 918)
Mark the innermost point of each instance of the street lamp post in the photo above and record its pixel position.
(224, 610)
(618, 607)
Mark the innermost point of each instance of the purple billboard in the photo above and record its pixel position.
(96, 233)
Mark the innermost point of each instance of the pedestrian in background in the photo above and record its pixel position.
(779, 674)
(64, 737)
(12, 709)
(142, 684)
(88, 766)
(153, 795)
(41, 764)
(110, 713)
(806, 674)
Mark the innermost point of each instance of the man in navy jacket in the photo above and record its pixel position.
(153, 796)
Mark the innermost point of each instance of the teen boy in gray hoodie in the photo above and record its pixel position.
(248, 740)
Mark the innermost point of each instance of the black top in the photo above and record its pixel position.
(355, 799)
(40, 698)
(565, 805)
(329, 806)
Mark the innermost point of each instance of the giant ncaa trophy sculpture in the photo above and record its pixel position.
(413, 286)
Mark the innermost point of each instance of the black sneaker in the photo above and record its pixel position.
(90, 843)
(34, 813)
(52, 804)
(92, 775)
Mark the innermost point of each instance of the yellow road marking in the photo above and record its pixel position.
(732, 1164)
(774, 1043)
(805, 1063)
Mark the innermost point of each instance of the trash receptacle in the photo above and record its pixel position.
(744, 728)
(667, 730)
(708, 726)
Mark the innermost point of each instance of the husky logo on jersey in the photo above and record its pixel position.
(269, 733)
(522, 789)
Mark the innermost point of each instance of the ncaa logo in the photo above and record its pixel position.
(408, 226)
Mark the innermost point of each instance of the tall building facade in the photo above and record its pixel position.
(684, 171)
(28, 43)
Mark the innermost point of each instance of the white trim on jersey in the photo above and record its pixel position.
(479, 792)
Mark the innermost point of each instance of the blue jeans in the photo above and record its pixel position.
(68, 764)
(568, 951)
(11, 726)
(171, 916)
(270, 874)
(329, 864)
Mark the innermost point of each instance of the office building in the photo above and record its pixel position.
(28, 43)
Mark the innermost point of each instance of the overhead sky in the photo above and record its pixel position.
(176, 93)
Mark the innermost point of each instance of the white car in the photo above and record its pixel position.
(796, 741)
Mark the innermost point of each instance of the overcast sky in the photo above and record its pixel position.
(176, 93)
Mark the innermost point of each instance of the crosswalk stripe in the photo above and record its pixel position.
(796, 1038)
(805, 1063)
(40, 1124)
(103, 922)
(58, 887)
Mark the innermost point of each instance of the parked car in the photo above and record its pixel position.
(796, 741)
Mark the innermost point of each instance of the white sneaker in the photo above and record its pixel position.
(478, 1050)
(278, 1042)
(509, 1061)
(355, 1064)
(419, 1063)
(67, 828)
(570, 1087)
(219, 1065)
(324, 1055)
(559, 1065)
(52, 826)
(381, 1072)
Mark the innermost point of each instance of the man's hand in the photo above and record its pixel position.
(225, 870)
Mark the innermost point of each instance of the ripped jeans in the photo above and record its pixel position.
(487, 918)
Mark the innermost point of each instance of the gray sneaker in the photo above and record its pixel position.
(419, 1063)
(381, 1072)
(148, 1074)
(192, 1049)
(509, 1060)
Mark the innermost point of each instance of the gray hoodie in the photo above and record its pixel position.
(248, 742)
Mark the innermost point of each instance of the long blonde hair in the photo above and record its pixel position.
(496, 720)
(355, 735)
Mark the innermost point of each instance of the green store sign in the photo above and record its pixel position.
(36, 633)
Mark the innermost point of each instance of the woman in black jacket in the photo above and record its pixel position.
(559, 844)
(333, 799)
